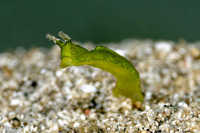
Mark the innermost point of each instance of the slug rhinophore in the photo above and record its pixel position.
(128, 80)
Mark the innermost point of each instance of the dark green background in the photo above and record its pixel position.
(25, 22)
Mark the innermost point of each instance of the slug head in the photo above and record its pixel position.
(70, 52)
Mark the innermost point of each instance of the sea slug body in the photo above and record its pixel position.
(128, 80)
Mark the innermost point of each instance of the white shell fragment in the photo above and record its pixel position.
(163, 46)
(88, 88)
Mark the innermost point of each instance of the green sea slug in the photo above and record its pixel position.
(128, 80)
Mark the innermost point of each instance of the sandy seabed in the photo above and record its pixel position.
(36, 95)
